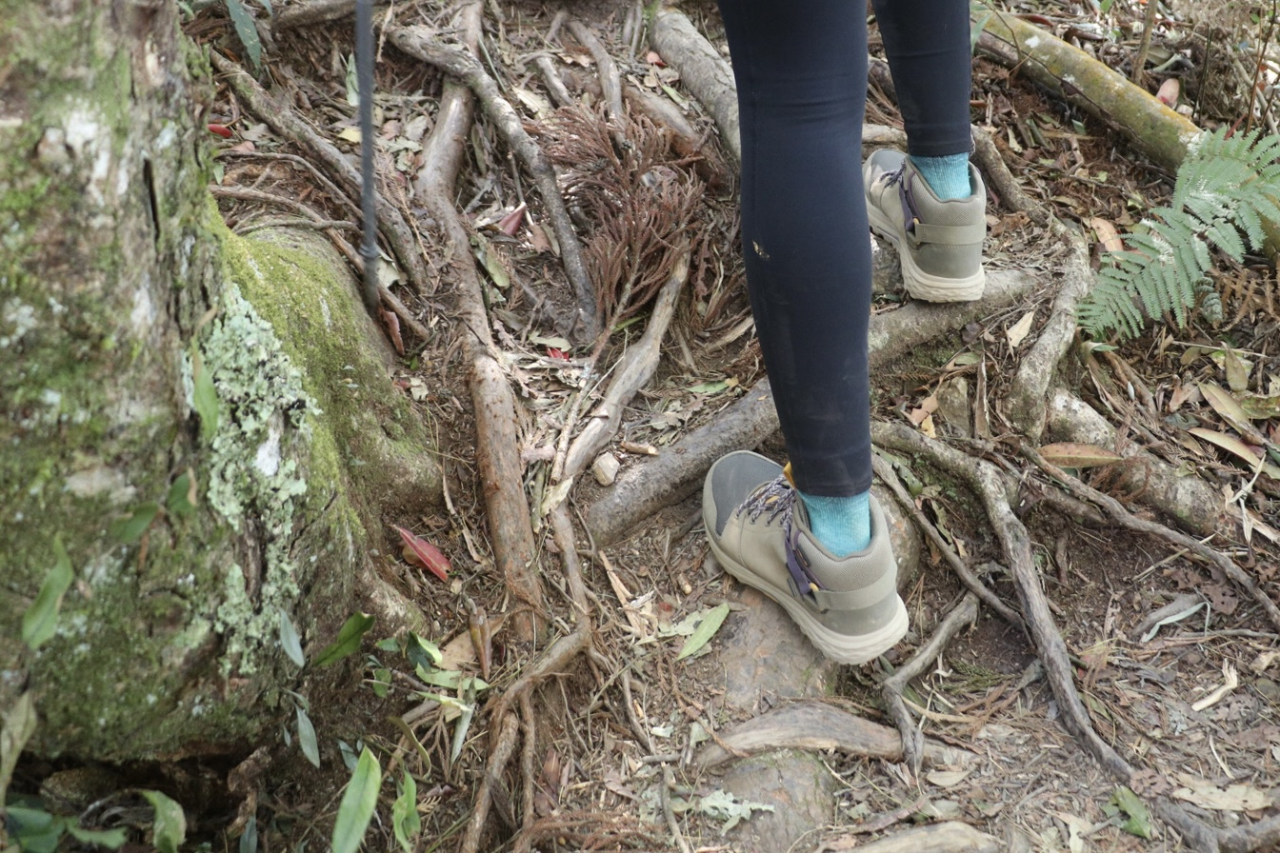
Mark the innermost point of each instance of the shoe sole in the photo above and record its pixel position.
(923, 285)
(842, 648)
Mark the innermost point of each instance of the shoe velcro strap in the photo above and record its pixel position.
(827, 599)
(948, 235)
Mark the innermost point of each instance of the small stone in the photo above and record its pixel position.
(955, 406)
(605, 468)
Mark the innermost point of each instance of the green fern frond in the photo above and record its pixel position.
(1226, 189)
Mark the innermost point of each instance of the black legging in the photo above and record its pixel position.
(801, 71)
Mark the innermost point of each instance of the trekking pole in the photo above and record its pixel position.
(364, 81)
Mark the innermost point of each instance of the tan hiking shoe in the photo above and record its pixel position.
(759, 531)
(939, 242)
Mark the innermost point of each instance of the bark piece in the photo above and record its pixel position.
(820, 725)
(678, 471)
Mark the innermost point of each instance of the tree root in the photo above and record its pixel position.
(702, 70)
(399, 235)
(677, 472)
(1127, 520)
(498, 457)
(630, 375)
(821, 725)
(971, 582)
(1155, 482)
(961, 616)
(417, 42)
(987, 483)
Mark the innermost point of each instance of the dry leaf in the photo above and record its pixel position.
(1070, 454)
(1168, 92)
(1237, 372)
(1234, 798)
(1237, 448)
(1018, 331)
(429, 556)
(947, 778)
(1107, 234)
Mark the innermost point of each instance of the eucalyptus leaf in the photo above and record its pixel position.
(706, 629)
(111, 839)
(170, 827)
(16, 728)
(249, 838)
(348, 639)
(41, 618)
(181, 500)
(357, 804)
(1139, 822)
(246, 31)
(307, 737)
(289, 639)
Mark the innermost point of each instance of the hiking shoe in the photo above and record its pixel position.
(939, 242)
(759, 531)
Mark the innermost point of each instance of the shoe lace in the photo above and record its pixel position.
(777, 498)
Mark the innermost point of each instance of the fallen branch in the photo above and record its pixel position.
(286, 123)
(606, 70)
(417, 42)
(678, 471)
(1076, 77)
(497, 453)
(703, 71)
(820, 725)
(891, 689)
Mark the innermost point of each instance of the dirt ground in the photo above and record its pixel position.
(600, 725)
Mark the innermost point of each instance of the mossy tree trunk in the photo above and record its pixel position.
(195, 419)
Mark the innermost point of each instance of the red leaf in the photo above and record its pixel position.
(655, 58)
(510, 223)
(392, 322)
(220, 129)
(431, 556)
(552, 352)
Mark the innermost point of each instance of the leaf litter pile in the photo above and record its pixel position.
(578, 714)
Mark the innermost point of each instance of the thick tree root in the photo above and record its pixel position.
(283, 121)
(498, 457)
(702, 70)
(821, 725)
(418, 42)
(961, 616)
(678, 471)
(1127, 520)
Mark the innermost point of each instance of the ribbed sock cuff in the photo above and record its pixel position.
(947, 176)
(841, 524)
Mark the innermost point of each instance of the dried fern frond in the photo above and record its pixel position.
(1225, 189)
(641, 203)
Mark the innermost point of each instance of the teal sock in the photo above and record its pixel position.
(947, 176)
(842, 525)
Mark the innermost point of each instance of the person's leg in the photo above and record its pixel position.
(801, 75)
(927, 45)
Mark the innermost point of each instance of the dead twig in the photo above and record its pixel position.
(887, 476)
(891, 689)
(606, 68)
